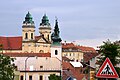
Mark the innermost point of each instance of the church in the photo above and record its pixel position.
(36, 56)
(29, 42)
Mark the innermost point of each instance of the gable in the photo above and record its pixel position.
(41, 40)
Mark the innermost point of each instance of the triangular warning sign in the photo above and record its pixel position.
(107, 70)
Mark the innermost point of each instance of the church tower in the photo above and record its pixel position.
(45, 28)
(28, 34)
(28, 28)
(56, 47)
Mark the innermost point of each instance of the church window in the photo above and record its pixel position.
(26, 35)
(48, 37)
(31, 35)
(32, 52)
(25, 52)
(41, 51)
(56, 52)
(70, 54)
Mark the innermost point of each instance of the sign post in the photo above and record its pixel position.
(107, 70)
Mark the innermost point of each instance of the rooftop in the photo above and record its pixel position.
(28, 54)
(73, 47)
(15, 43)
(69, 70)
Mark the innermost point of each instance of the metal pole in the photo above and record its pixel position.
(26, 66)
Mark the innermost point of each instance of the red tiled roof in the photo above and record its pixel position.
(65, 59)
(11, 43)
(88, 56)
(87, 49)
(67, 45)
(15, 43)
(74, 72)
(81, 48)
(28, 54)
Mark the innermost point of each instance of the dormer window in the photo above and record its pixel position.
(41, 66)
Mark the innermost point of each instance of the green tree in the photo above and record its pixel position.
(6, 67)
(112, 51)
(54, 77)
(1, 48)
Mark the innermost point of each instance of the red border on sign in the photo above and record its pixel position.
(106, 75)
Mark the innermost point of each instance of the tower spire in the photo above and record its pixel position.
(55, 35)
(45, 20)
(28, 18)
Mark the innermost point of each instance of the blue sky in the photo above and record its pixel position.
(85, 21)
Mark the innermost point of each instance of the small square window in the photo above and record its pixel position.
(41, 66)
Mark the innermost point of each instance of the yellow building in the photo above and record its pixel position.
(76, 52)
(72, 52)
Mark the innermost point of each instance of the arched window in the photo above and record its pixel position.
(70, 54)
(56, 52)
(25, 52)
(31, 35)
(32, 52)
(48, 37)
(26, 35)
(41, 51)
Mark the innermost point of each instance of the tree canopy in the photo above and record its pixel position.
(112, 51)
(6, 67)
(54, 77)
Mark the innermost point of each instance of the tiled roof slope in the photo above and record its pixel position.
(81, 48)
(67, 45)
(69, 70)
(15, 43)
(11, 43)
(86, 49)
(28, 54)
(89, 56)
